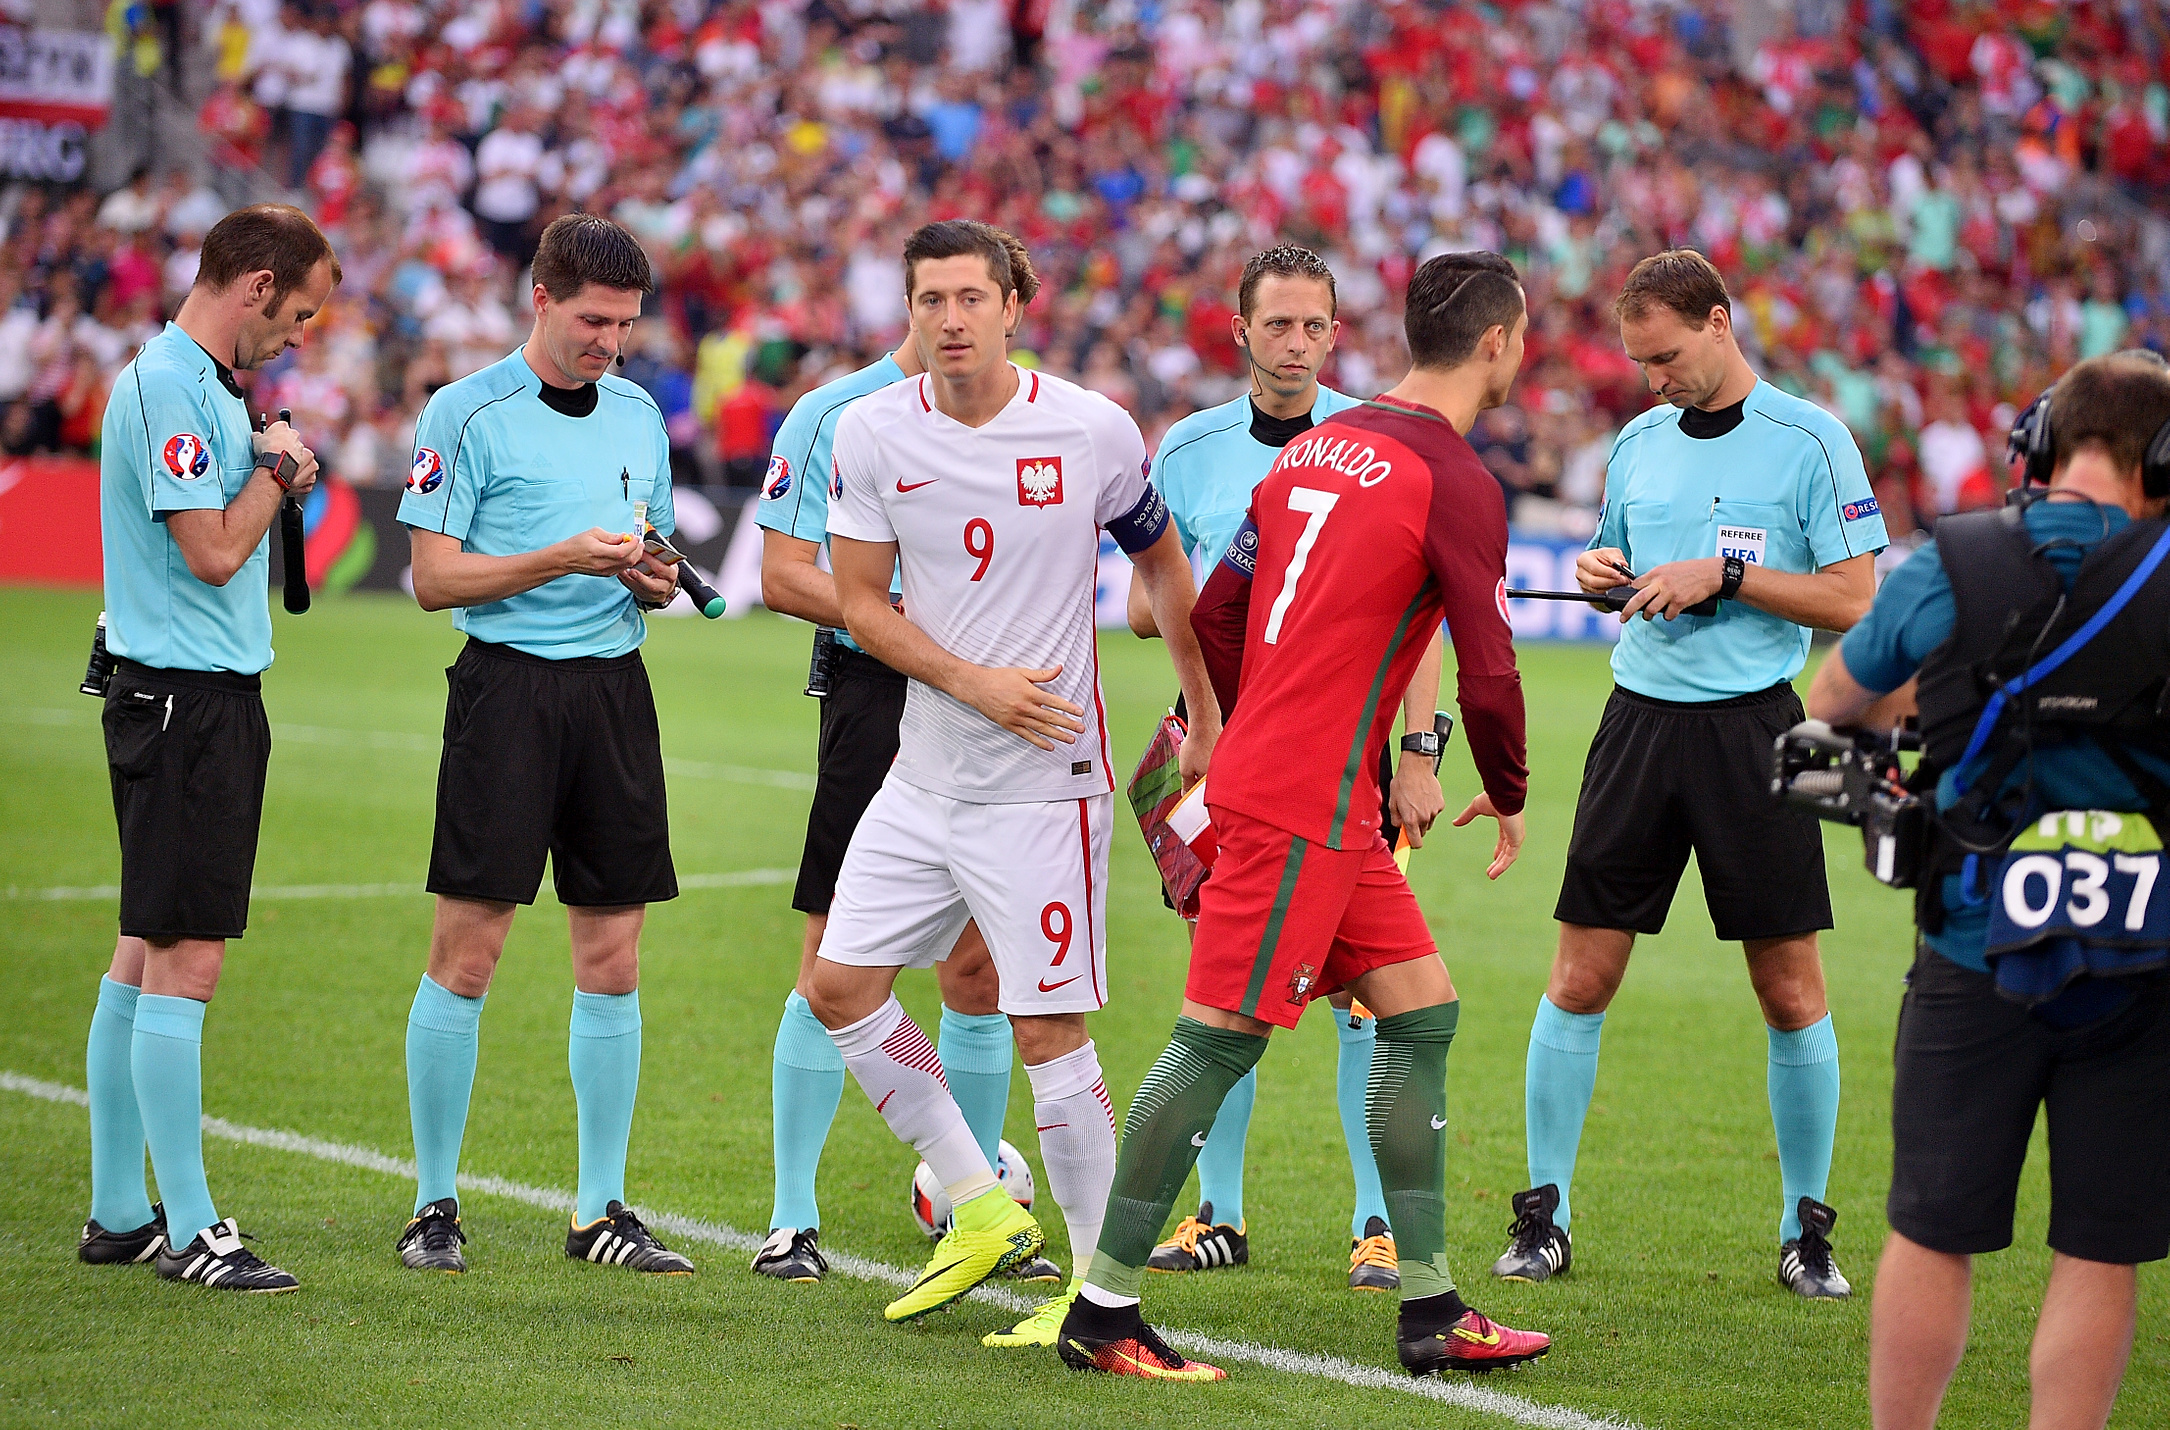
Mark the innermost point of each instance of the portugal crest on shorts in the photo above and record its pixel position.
(1499, 599)
(1039, 481)
(427, 473)
(187, 457)
(779, 481)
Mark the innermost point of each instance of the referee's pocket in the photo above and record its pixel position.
(134, 720)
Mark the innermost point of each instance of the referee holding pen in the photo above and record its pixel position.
(187, 494)
(1736, 490)
(520, 511)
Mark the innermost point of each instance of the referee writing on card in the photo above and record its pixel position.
(187, 493)
(1733, 490)
(520, 512)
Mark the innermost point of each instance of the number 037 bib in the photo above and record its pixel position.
(2080, 892)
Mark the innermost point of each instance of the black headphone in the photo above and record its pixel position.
(2032, 443)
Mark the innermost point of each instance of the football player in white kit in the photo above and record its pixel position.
(990, 485)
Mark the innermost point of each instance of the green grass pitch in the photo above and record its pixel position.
(1672, 1316)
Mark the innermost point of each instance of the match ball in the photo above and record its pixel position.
(930, 1204)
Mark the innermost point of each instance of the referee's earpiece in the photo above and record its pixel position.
(621, 359)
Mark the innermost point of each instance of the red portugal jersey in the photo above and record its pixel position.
(1370, 529)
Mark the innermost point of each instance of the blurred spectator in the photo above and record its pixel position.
(316, 60)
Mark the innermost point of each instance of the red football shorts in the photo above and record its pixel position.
(1285, 920)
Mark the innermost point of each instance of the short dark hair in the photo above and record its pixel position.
(277, 237)
(1680, 279)
(1007, 261)
(578, 249)
(1454, 300)
(2116, 402)
(1287, 260)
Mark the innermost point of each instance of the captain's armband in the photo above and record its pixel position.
(1142, 525)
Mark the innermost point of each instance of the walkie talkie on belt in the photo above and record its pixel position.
(821, 671)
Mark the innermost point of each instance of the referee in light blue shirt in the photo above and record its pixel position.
(187, 494)
(1736, 490)
(520, 510)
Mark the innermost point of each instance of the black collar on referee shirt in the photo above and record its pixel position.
(1701, 425)
(1270, 431)
(572, 401)
(226, 374)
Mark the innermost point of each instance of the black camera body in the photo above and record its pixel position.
(1854, 777)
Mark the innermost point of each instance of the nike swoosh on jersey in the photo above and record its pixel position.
(1045, 986)
(1198, 1139)
(1439, 1124)
(916, 485)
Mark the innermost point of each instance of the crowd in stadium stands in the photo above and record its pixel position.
(1926, 208)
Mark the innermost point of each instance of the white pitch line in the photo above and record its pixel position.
(1456, 1393)
(94, 893)
(431, 744)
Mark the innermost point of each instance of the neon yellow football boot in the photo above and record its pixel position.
(991, 1234)
(1041, 1327)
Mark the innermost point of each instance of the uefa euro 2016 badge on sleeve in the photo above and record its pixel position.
(2079, 893)
(1745, 542)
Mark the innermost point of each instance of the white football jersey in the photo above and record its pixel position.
(998, 535)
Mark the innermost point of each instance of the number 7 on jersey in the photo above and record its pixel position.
(1316, 504)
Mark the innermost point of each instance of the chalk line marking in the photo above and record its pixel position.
(1457, 1393)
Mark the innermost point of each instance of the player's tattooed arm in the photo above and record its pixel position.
(1008, 695)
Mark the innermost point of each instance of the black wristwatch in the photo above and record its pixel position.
(1426, 743)
(1729, 585)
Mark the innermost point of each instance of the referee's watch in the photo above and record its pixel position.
(1426, 743)
(1729, 585)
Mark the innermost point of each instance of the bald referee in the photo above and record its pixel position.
(520, 512)
(187, 493)
(1737, 490)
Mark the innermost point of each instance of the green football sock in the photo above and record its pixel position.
(1406, 1109)
(1167, 1123)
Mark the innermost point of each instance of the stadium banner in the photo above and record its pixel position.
(42, 498)
(56, 86)
(1542, 563)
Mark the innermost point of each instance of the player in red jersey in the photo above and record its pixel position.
(1369, 530)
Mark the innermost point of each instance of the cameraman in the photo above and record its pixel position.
(1974, 1061)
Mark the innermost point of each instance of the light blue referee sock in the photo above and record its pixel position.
(1352, 1075)
(443, 1036)
(976, 1055)
(166, 1059)
(118, 1199)
(1220, 1161)
(1557, 1083)
(605, 1060)
(1804, 1113)
(806, 1080)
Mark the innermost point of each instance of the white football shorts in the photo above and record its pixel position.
(1035, 876)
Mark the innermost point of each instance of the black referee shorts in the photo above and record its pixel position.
(1664, 778)
(187, 751)
(859, 721)
(551, 757)
(1973, 1068)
